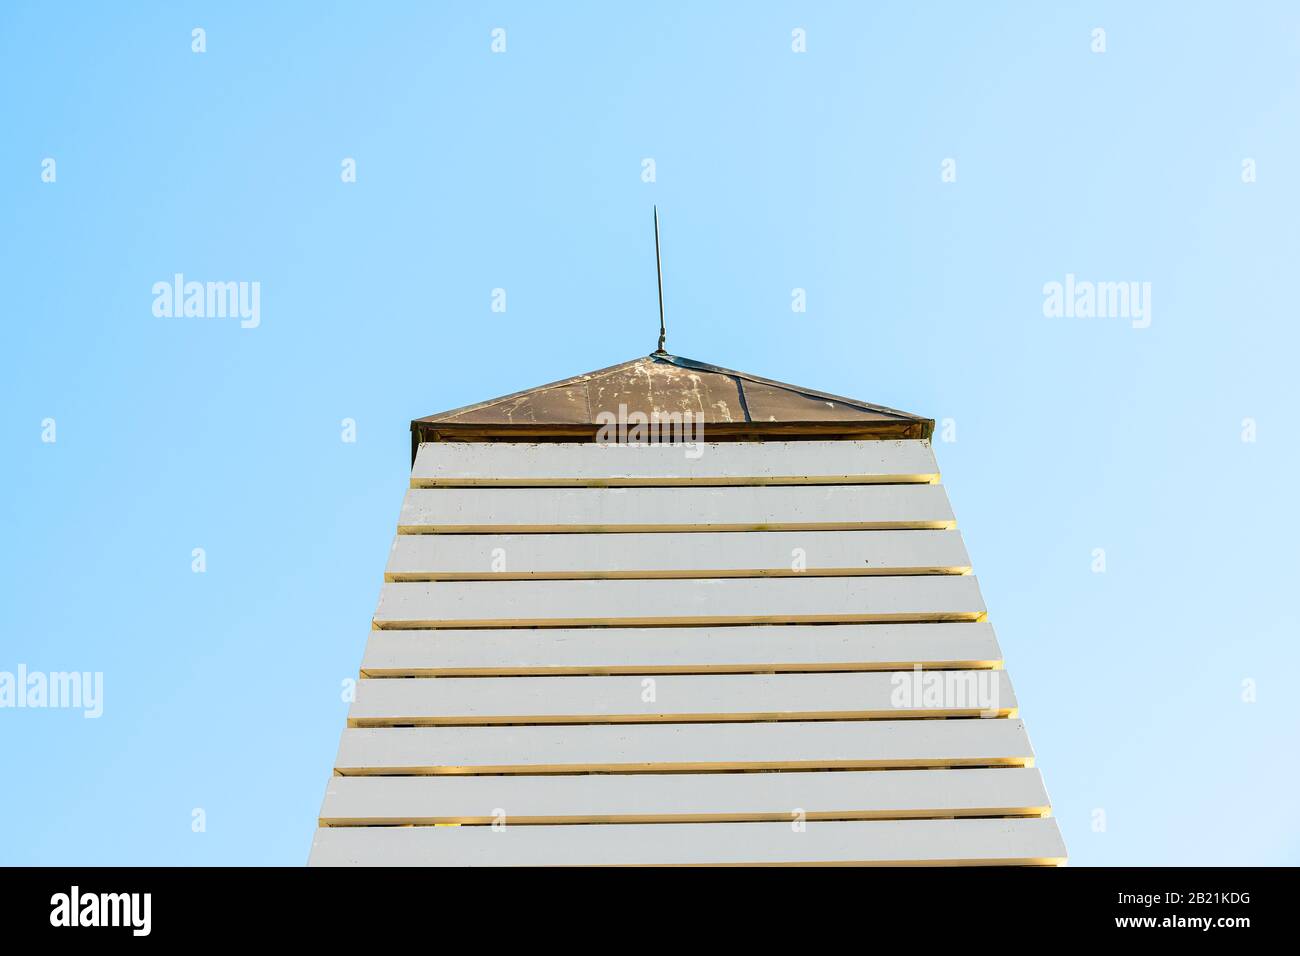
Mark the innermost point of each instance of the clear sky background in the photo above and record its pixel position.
(774, 170)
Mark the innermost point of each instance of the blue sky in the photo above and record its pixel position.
(774, 170)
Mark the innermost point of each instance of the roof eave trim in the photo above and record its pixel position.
(912, 428)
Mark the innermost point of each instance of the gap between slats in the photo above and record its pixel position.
(941, 525)
(704, 482)
(932, 570)
(635, 670)
(572, 720)
(981, 813)
(669, 767)
(542, 623)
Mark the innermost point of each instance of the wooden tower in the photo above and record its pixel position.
(760, 645)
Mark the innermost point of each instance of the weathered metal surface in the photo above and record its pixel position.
(726, 402)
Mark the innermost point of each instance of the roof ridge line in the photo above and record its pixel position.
(799, 389)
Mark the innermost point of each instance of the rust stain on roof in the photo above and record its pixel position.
(733, 404)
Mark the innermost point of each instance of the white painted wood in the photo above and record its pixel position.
(611, 650)
(1007, 841)
(657, 798)
(678, 601)
(622, 748)
(775, 507)
(440, 557)
(775, 596)
(711, 463)
(679, 697)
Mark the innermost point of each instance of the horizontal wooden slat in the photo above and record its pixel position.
(707, 463)
(684, 650)
(775, 508)
(658, 798)
(879, 842)
(435, 557)
(432, 701)
(620, 748)
(800, 600)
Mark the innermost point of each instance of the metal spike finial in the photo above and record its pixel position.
(659, 269)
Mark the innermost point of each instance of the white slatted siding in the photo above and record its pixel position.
(639, 748)
(868, 842)
(425, 557)
(674, 698)
(683, 650)
(744, 508)
(640, 656)
(682, 797)
(466, 464)
(770, 600)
